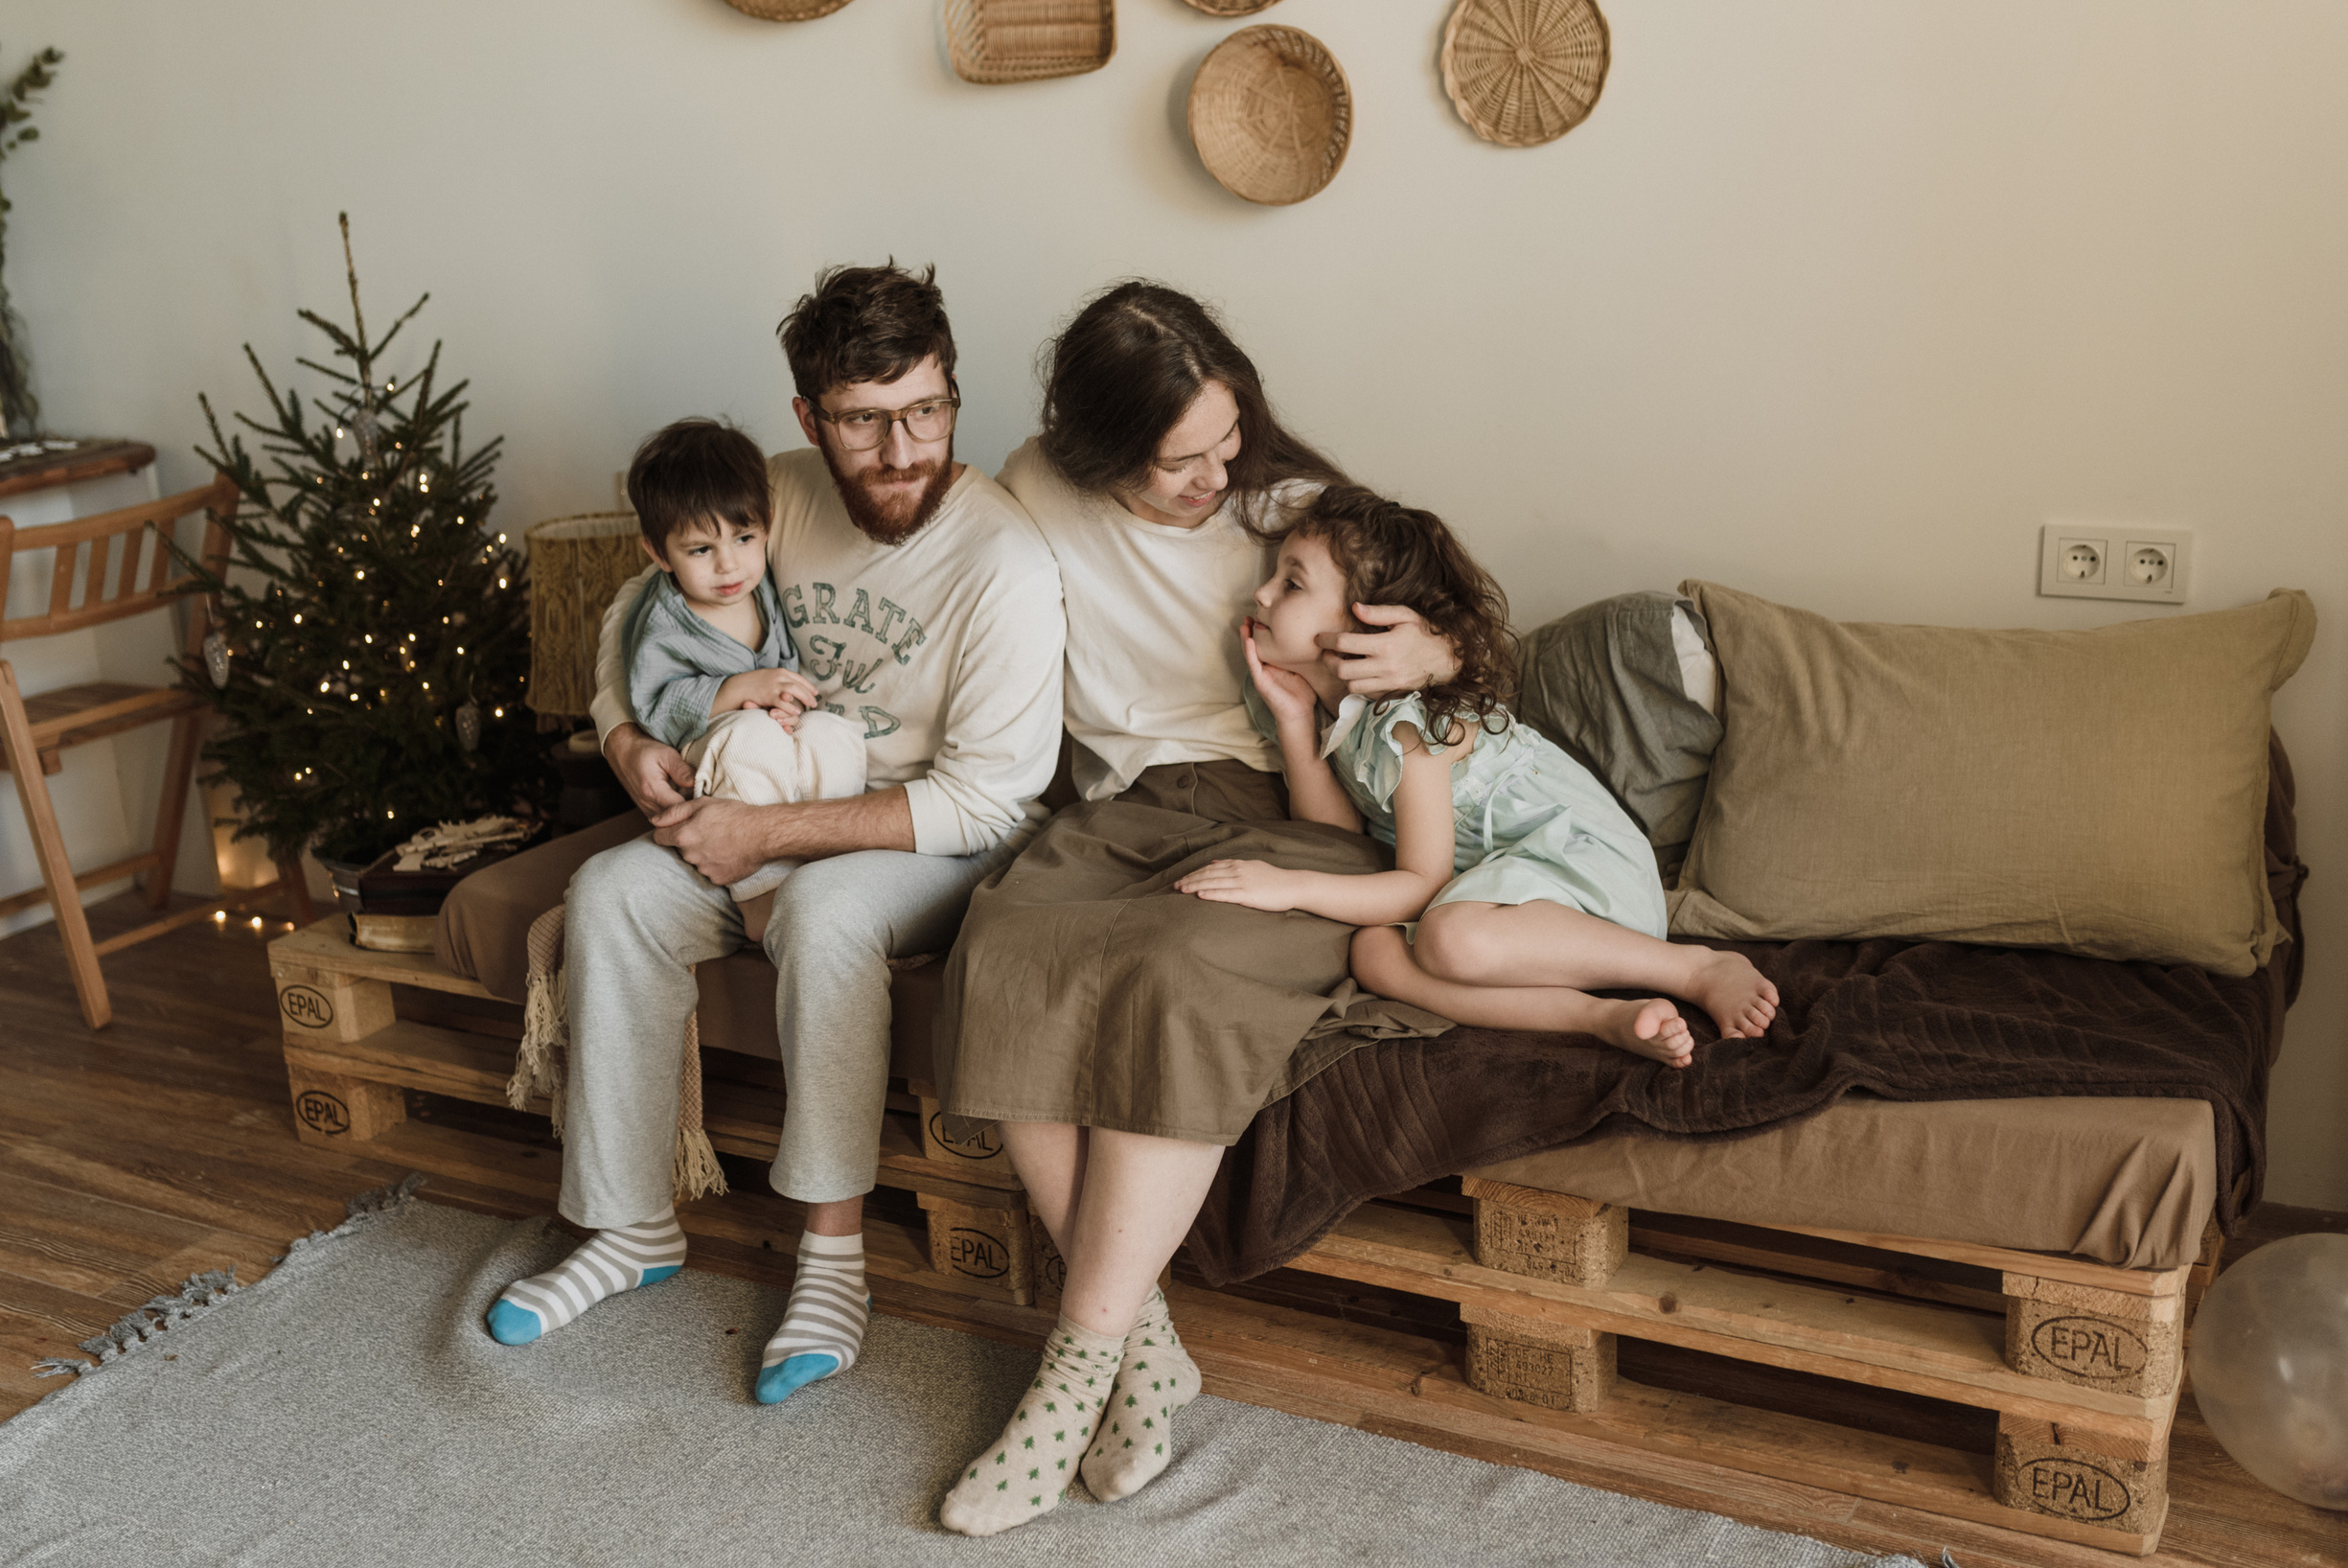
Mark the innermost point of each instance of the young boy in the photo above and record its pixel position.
(711, 669)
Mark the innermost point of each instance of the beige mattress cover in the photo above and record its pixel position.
(2128, 1182)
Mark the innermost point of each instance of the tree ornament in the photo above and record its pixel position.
(366, 429)
(469, 724)
(215, 660)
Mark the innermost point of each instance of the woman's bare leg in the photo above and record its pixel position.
(1049, 1159)
(1541, 943)
(1383, 963)
(1138, 1197)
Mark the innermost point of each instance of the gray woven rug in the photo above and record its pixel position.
(350, 1409)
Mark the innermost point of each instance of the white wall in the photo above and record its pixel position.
(1832, 300)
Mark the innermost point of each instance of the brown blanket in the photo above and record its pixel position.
(1933, 1020)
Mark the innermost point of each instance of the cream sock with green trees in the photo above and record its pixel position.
(1022, 1473)
(1156, 1378)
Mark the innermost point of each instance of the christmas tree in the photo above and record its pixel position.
(373, 631)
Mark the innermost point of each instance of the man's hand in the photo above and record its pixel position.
(1284, 692)
(1252, 883)
(714, 836)
(655, 776)
(1408, 656)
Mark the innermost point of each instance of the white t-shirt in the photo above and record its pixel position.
(946, 647)
(1155, 670)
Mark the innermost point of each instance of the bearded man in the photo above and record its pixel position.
(925, 605)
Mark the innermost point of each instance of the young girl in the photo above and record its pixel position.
(1529, 887)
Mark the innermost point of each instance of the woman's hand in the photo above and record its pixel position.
(1252, 883)
(1287, 694)
(1408, 656)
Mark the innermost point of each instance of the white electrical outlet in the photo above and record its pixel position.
(2115, 561)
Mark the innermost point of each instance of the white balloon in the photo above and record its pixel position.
(2269, 1363)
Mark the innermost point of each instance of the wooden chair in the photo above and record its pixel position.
(124, 576)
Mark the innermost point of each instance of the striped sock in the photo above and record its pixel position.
(620, 1259)
(1156, 1379)
(1021, 1474)
(823, 1325)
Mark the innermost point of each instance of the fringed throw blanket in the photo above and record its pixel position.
(545, 1048)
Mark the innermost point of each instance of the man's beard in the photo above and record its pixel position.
(895, 519)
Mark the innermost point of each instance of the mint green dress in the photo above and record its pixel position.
(1529, 821)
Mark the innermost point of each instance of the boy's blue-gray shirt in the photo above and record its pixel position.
(675, 660)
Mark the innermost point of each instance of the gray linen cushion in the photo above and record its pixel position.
(1606, 682)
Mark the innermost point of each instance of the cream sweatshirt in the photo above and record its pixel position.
(948, 648)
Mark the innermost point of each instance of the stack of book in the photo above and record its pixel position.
(394, 910)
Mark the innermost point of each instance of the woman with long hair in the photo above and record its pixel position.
(1121, 1033)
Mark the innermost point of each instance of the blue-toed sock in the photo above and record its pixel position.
(823, 1325)
(620, 1259)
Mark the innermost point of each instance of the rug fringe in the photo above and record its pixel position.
(202, 1292)
(134, 1329)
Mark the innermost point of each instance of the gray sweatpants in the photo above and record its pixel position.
(637, 916)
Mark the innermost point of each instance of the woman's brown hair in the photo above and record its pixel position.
(1393, 554)
(1127, 369)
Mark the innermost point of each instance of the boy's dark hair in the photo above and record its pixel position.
(1126, 370)
(865, 324)
(1393, 554)
(693, 473)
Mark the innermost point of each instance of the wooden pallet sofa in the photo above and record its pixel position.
(2079, 1360)
(2034, 1261)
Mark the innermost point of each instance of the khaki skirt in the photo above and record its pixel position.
(1084, 989)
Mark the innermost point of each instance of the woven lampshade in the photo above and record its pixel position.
(786, 10)
(994, 42)
(1271, 114)
(1229, 7)
(1524, 71)
(576, 565)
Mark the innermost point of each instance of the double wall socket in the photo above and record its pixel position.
(2115, 561)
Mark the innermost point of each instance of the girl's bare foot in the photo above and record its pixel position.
(1651, 1028)
(1737, 996)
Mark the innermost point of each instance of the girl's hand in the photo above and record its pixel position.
(1287, 694)
(1407, 656)
(1252, 883)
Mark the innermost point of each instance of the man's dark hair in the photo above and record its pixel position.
(695, 472)
(865, 324)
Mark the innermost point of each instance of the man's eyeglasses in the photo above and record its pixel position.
(861, 429)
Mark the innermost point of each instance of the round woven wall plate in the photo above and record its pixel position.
(1231, 8)
(786, 10)
(1524, 71)
(1271, 115)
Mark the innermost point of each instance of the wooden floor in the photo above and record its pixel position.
(164, 1145)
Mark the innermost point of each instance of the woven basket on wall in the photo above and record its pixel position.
(576, 565)
(1028, 40)
(1524, 71)
(786, 10)
(1271, 114)
(1229, 7)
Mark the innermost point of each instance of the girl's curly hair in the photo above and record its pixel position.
(1393, 554)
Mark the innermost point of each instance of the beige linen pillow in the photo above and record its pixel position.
(2100, 792)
